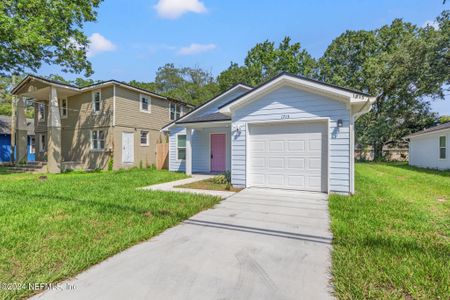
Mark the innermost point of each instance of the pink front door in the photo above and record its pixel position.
(218, 152)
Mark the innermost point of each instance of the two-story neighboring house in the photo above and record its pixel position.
(91, 127)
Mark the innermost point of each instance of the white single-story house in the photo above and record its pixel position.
(429, 148)
(291, 132)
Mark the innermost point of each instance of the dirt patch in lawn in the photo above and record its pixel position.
(208, 184)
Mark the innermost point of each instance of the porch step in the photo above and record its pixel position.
(27, 168)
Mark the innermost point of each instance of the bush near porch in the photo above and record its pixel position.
(53, 229)
(392, 238)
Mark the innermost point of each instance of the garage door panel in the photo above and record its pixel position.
(288, 156)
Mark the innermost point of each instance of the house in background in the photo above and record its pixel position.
(90, 127)
(291, 132)
(5, 140)
(429, 148)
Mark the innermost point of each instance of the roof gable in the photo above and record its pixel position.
(299, 82)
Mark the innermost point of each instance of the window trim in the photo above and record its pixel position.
(42, 146)
(98, 149)
(149, 109)
(176, 145)
(100, 101)
(148, 138)
(39, 112)
(180, 110)
(445, 147)
(67, 108)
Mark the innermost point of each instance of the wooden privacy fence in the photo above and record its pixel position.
(162, 156)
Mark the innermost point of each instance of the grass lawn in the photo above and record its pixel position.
(53, 229)
(208, 184)
(392, 238)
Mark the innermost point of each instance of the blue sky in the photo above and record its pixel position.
(131, 39)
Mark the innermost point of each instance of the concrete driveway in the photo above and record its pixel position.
(257, 244)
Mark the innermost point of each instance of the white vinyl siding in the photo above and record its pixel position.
(425, 150)
(294, 104)
(175, 164)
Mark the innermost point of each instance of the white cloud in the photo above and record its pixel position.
(98, 43)
(433, 24)
(172, 9)
(196, 49)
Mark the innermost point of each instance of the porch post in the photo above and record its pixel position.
(188, 151)
(53, 133)
(21, 132)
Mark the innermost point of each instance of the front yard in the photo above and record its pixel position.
(392, 239)
(53, 229)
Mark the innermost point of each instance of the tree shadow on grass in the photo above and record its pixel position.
(444, 173)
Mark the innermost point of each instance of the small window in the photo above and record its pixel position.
(144, 138)
(41, 111)
(145, 103)
(42, 143)
(443, 147)
(181, 147)
(64, 108)
(98, 140)
(97, 101)
(32, 145)
(175, 111)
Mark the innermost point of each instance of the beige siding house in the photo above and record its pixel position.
(91, 127)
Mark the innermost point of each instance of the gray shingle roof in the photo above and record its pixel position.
(214, 117)
(432, 129)
(5, 125)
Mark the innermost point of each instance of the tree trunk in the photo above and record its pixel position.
(377, 151)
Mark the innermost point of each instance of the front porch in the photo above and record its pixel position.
(46, 99)
(207, 147)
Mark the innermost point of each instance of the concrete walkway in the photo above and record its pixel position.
(171, 187)
(257, 244)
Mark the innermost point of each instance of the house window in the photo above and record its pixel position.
(41, 111)
(97, 139)
(42, 143)
(175, 111)
(443, 147)
(64, 108)
(181, 147)
(32, 145)
(96, 101)
(144, 138)
(145, 103)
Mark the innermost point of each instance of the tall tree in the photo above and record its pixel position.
(193, 85)
(33, 32)
(265, 61)
(402, 65)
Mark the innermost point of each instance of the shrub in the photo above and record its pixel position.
(224, 178)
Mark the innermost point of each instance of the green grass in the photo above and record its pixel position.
(53, 229)
(208, 184)
(392, 238)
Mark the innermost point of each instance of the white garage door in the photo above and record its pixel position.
(288, 156)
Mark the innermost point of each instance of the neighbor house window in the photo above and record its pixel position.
(145, 103)
(64, 108)
(41, 111)
(144, 138)
(98, 139)
(175, 111)
(442, 147)
(42, 143)
(181, 147)
(96, 101)
(32, 145)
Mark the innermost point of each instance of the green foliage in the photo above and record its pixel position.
(33, 32)
(444, 119)
(402, 64)
(224, 178)
(79, 82)
(111, 163)
(265, 61)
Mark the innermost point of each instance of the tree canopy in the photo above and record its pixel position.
(33, 32)
(401, 64)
